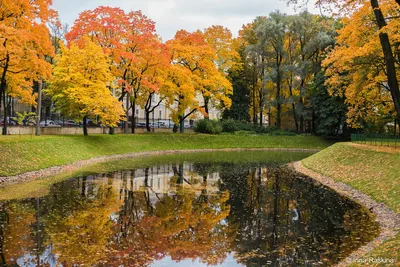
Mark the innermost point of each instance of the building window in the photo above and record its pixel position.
(160, 117)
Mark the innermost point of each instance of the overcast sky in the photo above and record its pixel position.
(173, 15)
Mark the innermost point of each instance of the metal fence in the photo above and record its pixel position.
(56, 120)
(377, 140)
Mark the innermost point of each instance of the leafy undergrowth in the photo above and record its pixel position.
(370, 171)
(21, 154)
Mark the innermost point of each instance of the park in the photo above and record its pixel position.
(175, 133)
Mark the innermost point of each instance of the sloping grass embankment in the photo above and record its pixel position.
(371, 170)
(20, 154)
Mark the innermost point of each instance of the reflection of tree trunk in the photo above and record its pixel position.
(180, 174)
(275, 217)
(205, 179)
(259, 212)
(83, 189)
(3, 219)
(37, 206)
(146, 177)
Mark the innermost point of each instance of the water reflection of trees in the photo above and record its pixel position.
(205, 212)
(182, 224)
(287, 221)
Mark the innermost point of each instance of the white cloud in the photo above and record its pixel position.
(173, 15)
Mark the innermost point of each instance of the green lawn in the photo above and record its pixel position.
(374, 173)
(20, 154)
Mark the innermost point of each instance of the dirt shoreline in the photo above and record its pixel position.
(51, 171)
(388, 220)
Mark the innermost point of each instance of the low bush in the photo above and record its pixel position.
(231, 126)
(208, 127)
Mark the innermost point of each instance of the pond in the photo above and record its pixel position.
(200, 209)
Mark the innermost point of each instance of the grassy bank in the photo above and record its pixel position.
(19, 154)
(40, 187)
(370, 170)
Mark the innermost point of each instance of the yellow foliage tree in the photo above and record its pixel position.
(356, 66)
(80, 88)
(191, 51)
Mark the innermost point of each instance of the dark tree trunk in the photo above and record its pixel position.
(389, 58)
(294, 109)
(85, 130)
(261, 96)
(206, 102)
(3, 87)
(126, 124)
(133, 125)
(148, 121)
(175, 128)
(5, 112)
(254, 96)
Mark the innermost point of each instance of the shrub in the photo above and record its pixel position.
(231, 126)
(208, 127)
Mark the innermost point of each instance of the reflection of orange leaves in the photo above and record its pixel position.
(20, 216)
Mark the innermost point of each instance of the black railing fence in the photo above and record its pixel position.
(377, 140)
(61, 121)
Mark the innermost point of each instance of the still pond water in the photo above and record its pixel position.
(209, 209)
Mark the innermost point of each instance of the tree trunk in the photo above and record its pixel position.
(39, 108)
(126, 125)
(148, 120)
(254, 96)
(182, 125)
(5, 112)
(175, 128)
(294, 110)
(389, 59)
(133, 125)
(206, 102)
(85, 130)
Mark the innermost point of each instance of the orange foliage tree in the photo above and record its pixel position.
(24, 44)
(130, 42)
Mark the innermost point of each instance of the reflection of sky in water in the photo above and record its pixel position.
(46, 258)
(269, 217)
(167, 261)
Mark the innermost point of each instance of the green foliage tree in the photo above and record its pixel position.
(329, 111)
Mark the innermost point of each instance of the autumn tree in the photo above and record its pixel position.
(156, 62)
(220, 39)
(379, 19)
(362, 66)
(181, 95)
(80, 87)
(24, 46)
(128, 39)
(191, 51)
